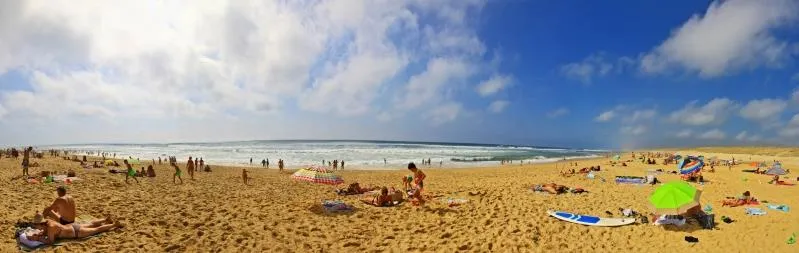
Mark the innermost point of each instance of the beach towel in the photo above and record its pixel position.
(453, 202)
(783, 208)
(28, 245)
(755, 211)
(670, 220)
(630, 180)
(336, 206)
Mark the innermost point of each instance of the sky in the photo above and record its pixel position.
(589, 74)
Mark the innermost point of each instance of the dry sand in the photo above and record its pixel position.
(217, 213)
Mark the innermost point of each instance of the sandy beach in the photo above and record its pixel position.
(218, 213)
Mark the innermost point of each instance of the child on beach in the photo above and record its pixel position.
(244, 176)
(177, 173)
(418, 180)
(130, 173)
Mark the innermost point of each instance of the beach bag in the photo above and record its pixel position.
(706, 221)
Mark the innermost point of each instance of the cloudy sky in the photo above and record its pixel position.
(611, 73)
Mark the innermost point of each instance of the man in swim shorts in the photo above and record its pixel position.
(177, 173)
(130, 173)
(62, 209)
(51, 230)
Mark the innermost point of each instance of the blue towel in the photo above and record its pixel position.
(783, 208)
(755, 211)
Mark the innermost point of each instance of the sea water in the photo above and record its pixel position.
(356, 154)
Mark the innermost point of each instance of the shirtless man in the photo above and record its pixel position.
(190, 168)
(62, 209)
(51, 230)
(26, 156)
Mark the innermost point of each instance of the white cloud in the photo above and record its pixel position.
(384, 117)
(714, 112)
(606, 116)
(741, 136)
(795, 96)
(684, 133)
(444, 113)
(731, 35)
(714, 134)
(558, 112)
(764, 109)
(792, 128)
(425, 88)
(205, 59)
(592, 66)
(493, 85)
(633, 130)
(498, 106)
(641, 115)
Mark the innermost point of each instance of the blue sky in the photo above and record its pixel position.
(610, 74)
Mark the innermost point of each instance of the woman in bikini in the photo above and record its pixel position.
(51, 230)
(384, 199)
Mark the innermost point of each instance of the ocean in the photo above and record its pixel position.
(356, 154)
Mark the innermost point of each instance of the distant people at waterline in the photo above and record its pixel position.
(263, 163)
(280, 165)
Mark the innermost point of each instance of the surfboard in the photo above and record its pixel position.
(591, 220)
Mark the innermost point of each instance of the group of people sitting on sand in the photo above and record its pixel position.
(413, 186)
(57, 221)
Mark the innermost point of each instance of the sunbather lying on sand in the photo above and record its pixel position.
(384, 199)
(355, 189)
(52, 230)
(745, 199)
(550, 188)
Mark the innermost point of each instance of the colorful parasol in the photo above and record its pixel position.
(675, 197)
(690, 165)
(317, 175)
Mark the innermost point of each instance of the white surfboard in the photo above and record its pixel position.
(591, 220)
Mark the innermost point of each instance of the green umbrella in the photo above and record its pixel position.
(675, 197)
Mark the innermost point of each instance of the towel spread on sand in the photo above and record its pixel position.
(783, 208)
(336, 206)
(755, 211)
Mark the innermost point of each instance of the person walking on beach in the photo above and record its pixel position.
(130, 173)
(267, 163)
(177, 173)
(342, 164)
(250, 160)
(280, 165)
(62, 209)
(190, 167)
(197, 165)
(26, 156)
(385, 162)
(263, 163)
(202, 163)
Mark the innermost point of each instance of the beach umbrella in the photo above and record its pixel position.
(675, 197)
(690, 165)
(776, 170)
(317, 175)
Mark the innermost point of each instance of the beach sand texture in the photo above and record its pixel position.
(217, 213)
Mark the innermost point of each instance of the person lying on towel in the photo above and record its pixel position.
(384, 199)
(745, 199)
(51, 230)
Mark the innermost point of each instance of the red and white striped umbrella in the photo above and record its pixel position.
(317, 175)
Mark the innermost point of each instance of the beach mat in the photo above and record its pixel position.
(82, 219)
